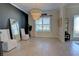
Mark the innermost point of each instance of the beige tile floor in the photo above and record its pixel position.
(45, 47)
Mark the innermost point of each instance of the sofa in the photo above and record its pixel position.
(8, 43)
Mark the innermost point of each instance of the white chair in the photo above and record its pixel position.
(24, 36)
(8, 44)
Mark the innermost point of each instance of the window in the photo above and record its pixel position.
(76, 26)
(43, 24)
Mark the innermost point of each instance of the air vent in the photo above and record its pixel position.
(45, 14)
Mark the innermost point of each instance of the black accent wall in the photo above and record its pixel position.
(9, 11)
(26, 25)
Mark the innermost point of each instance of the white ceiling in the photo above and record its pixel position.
(43, 6)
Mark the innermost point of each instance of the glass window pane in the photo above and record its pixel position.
(39, 21)
(76, 26)
(43, 24)
(46, 20)
(38, 28)
(46, 28)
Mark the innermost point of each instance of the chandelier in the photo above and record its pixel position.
(36, 13)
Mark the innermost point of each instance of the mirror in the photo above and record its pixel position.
(14, 26)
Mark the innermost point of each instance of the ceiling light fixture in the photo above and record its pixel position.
(36, 13)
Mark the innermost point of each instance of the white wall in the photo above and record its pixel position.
(31, 22)
(54, 25)
(62, 23)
